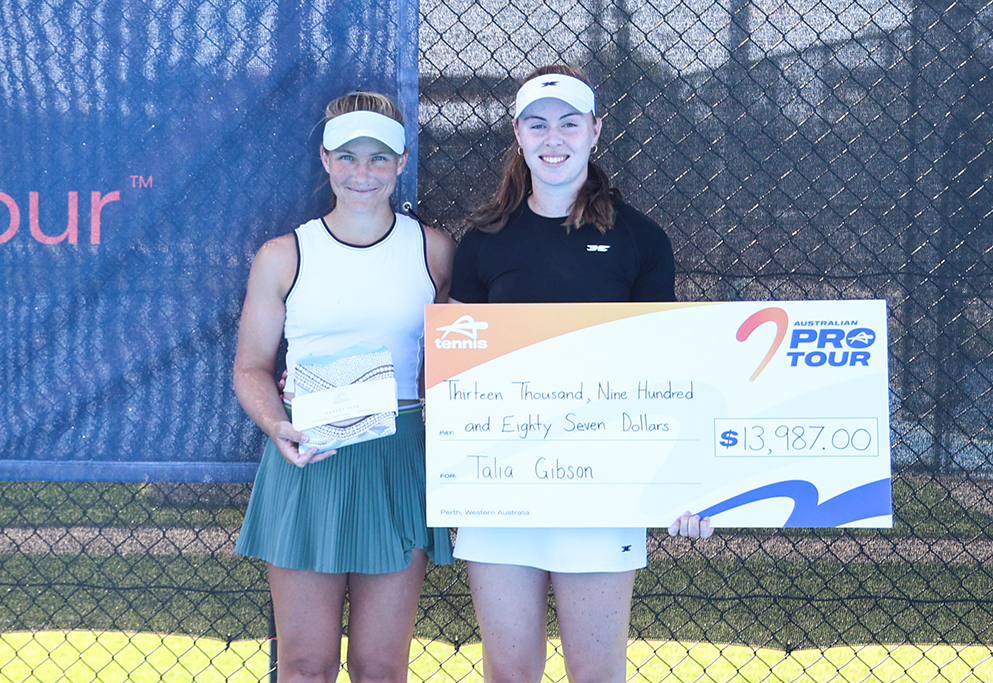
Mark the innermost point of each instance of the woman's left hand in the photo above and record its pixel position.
(691, 526)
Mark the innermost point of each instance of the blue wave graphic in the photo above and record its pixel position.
(864, 502)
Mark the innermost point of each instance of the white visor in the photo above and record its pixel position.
(566, 88)
(364, 124)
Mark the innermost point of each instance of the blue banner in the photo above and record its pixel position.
(147, 149)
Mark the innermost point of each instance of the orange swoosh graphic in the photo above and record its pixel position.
(766, 315)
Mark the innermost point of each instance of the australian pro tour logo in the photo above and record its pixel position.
(813, 343)
(468, 328)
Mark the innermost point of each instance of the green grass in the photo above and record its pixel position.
(222, 596)
(795, 605)
(28, 504)
(923, 507)
(117, 657)
(89, 657)
(761, 603)
(773, 617)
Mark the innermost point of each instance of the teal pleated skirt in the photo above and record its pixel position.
(361, 510)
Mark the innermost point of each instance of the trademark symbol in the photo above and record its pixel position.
(141, 181)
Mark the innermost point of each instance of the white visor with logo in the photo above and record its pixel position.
(569, 89)
(364, 124)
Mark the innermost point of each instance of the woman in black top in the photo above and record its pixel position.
(556, 231)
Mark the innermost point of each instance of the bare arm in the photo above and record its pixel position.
(259, 335)
(440, 254)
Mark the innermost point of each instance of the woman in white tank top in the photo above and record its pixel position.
(347, 522)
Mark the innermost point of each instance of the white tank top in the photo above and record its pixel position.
(345, 294)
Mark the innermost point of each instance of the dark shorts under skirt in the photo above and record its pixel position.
(360, 510)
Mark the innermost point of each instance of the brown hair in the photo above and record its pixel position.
(594, 203)
(363, 100)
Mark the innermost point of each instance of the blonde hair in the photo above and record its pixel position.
(594, 204)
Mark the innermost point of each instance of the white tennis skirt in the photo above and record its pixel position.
(555, 550)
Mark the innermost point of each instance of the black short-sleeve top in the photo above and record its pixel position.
(534, 259)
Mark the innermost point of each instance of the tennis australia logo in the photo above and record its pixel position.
(468, 329)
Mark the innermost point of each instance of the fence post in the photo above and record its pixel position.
(273, 647)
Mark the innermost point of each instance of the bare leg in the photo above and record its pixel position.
(511, 604)
(381, 615)
(307, 607)
(594, 612)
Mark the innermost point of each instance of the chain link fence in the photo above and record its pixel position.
(800, 149)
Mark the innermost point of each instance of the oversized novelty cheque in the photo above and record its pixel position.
(757, 414)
